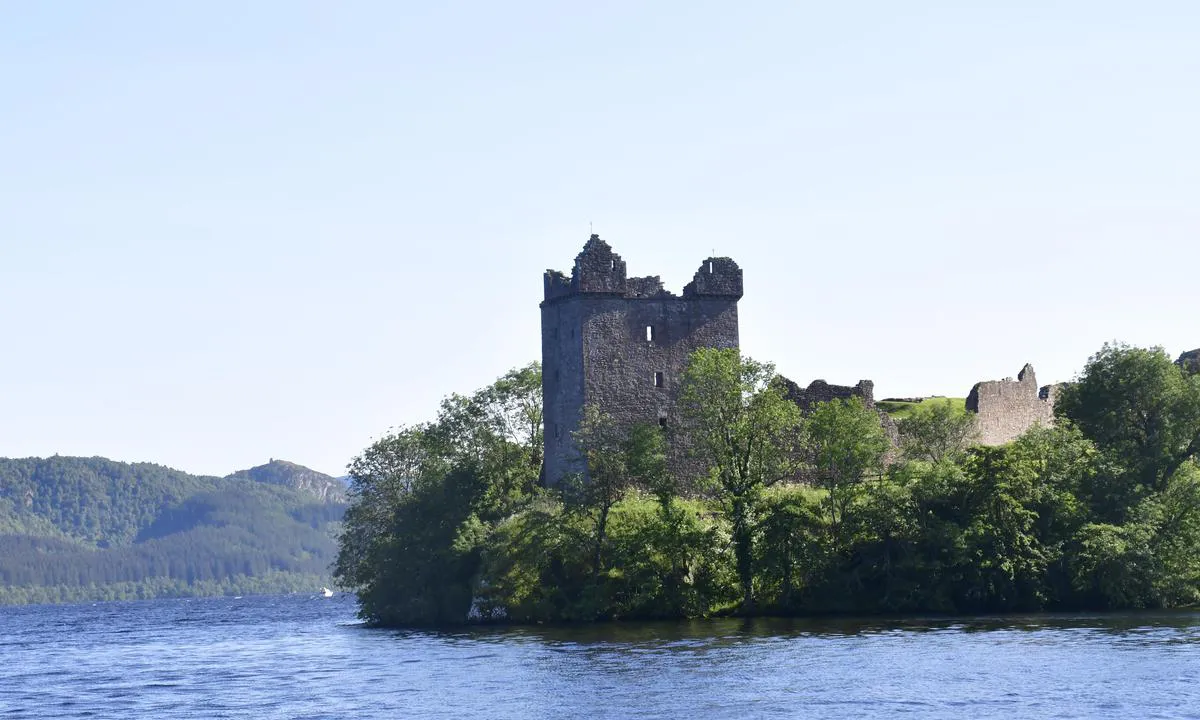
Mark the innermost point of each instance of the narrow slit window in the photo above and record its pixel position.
(710, 267)
(649, 333)
(658, 379)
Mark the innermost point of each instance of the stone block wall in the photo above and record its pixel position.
(1007, 408)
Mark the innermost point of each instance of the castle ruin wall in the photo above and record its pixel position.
(819, 391)
(1005, 409)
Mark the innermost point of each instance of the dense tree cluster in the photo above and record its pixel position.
(795, 514)
(90, 528)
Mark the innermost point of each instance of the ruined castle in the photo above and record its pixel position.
(623, 343)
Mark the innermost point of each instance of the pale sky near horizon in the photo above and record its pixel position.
(236, 231)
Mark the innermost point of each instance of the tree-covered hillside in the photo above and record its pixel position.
(91, 528)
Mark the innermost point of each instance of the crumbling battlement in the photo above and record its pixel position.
(599, 270)
(1007, 408)
(717, 276)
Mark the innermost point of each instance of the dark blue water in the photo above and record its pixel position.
(307, 657)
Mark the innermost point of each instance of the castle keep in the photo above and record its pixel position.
(623, 343)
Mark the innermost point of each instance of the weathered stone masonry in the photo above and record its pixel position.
(623, 343)
(1007, 408)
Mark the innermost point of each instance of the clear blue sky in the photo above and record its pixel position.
(235, 231)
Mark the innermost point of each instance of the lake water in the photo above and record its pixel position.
(307, 657)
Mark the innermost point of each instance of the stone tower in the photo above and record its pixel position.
(623, 343)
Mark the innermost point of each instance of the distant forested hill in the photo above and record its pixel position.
(281, 472)
(90, 528)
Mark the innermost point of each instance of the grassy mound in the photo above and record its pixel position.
(900, 409)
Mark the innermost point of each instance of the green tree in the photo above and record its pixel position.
(1174, 515)
(1143, 413)
(887, 570)
(937, 430)
(670, 562)
(845, 444)
(1110, 565)
(1003, 565)
(497, 432)
(382, 480)
(617, 460)
(1060, 464)
(793, 550)
(739, 422)
(1141, 543)
(426, 501)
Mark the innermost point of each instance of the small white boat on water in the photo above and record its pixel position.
(326, 592)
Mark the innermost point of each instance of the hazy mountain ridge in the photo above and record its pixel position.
(76, 528)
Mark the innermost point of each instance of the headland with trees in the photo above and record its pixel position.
(794, 513)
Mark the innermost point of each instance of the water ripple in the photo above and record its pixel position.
(296, 657)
